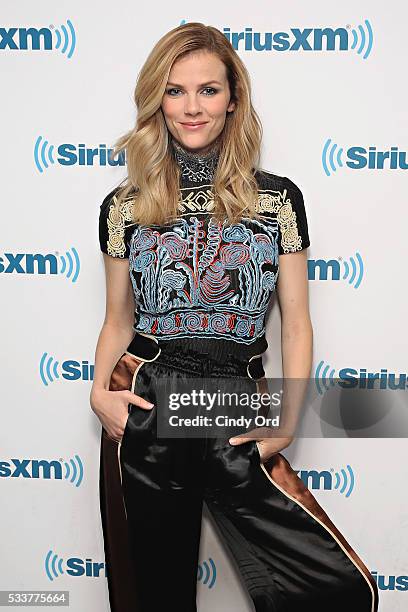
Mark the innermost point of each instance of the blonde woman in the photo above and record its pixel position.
(194, 240)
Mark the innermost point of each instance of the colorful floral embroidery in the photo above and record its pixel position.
(199, 275)
(202, 276)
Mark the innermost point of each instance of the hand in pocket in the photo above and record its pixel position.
(111, 408)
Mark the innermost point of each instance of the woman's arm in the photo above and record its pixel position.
(297, 341)
(296, 330)
(115, 336)
(117, 329)
(296, 336)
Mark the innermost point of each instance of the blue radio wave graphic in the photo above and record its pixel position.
(353, 270)
(77, 470)
(42, 152)
(207, 572)
(330, 158)
(66, 40)
(365, 37)
(48, 369)
(73, 264)
(325, 375)
(344, 480)
(52, 568)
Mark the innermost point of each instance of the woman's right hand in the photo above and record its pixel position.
(111, 408)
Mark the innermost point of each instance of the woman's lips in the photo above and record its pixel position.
(193, 127)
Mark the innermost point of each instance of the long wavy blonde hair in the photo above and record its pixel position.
(153, 179)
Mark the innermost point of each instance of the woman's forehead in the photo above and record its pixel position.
(198, 67)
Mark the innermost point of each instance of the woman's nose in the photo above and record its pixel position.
(192, 105)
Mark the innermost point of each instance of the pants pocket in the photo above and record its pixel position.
(140, 419)
(257, 450)
(125, 431)
(122, 379)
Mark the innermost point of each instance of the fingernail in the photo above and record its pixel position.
(232, 441)
(150, 405)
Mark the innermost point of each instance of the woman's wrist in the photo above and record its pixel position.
(96, 390)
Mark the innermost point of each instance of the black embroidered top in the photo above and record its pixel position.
(201, 282)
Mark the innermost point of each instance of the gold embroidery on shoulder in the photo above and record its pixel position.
(277, 202)
(117, 219)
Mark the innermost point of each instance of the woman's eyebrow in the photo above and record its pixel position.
(202, 84)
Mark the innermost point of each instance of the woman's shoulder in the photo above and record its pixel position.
(274, 182)
(109, 203)
(115, 224)
(109, 199)
(280, 198)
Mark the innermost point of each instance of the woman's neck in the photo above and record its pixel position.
(197, 166)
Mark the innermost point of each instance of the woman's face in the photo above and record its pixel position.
(197, 92)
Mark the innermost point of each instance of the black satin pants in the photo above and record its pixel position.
(290, 555)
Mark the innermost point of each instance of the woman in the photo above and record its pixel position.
(193, 241)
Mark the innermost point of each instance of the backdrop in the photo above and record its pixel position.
(329, 85)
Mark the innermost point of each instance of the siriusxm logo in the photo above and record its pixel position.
(207, 573)
(307, 39)
(359, 39)
(70, 369)
(62, 39)
(391, 582)
(350, 378)
(38, 263)
(68, 154)
(55, 566)
(74, 566)
(56, 469)
(350, 271)
(342, 481)
(357, 158)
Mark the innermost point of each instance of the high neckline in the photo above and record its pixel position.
(197, 166)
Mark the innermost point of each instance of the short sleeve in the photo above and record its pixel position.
(116, 226)
(292, 220)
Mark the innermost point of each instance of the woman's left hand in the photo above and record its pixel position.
(267, 446)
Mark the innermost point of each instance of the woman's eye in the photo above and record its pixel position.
(211, 91)
(171, 89)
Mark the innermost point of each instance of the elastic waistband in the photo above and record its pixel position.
(201, 363)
